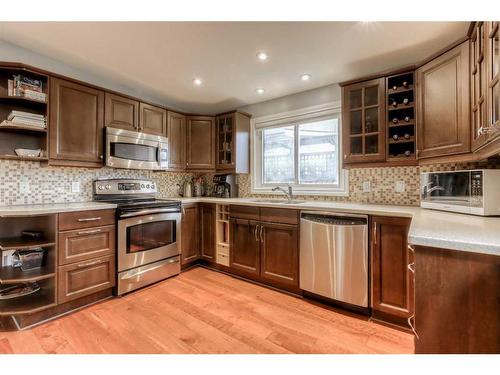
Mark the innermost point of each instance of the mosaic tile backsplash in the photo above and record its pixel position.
(53, 184)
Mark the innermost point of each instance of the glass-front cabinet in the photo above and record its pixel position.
(232, 132)
(363, 111)
(225, 141)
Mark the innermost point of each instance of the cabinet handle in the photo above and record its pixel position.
(88, 232)
(412, 326)
(260, 234)
(411, 267)
(89, 219)
(374, 233)
(83, 265)
(255, 233)
(411, 248)
(183, 211)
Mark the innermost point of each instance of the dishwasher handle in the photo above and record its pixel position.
(333, 219)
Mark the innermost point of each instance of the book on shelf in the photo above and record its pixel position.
(30, 115)
(27, 118)
(11, 124)
(26, 87)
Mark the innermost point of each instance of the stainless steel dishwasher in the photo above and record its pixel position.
(334, 256)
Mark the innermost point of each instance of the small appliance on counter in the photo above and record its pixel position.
(474, 192)
(185, 189)
(225, 186)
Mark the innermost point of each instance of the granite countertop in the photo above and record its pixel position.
(428, 227)
(51, 208)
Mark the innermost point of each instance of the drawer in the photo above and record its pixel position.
(83, 244)
(244, 212)
(279, 215)
(86, 219)
(83, 278)
(223, 250)
(222, 259)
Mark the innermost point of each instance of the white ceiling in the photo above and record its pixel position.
(162, 58)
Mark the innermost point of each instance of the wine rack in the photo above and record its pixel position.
(401, 134)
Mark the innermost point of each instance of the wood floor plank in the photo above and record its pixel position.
(202, 311)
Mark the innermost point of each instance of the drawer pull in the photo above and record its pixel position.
(83, 265)
(89, 219)
(412, 326)
(88, 232)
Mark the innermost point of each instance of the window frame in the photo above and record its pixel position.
(295, 118)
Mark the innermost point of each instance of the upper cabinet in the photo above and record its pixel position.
(233, 142)
(121, 112)
(200, 143)
(443, 110)
(152, 120)
(76, 124)
(363, 113)
(176, 132)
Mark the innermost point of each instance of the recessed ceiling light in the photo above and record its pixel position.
(260, 91)
(305, 77)
(197, 81)
(262, 56)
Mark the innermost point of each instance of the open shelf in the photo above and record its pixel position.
(14, 127)
(400, 124)
(24, 158)
(23, 243)
(402, 140)
(400, 107)
(400, 90)
(41, 300)
(11, 275)
(21, 99)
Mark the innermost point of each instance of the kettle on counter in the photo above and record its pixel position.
(185, 189)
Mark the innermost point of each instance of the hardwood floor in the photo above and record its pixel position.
(202, 311)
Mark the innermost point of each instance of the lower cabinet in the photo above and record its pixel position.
(83, 278)
(190, 238)
(392, 281)
(207, 238)
(265, 251)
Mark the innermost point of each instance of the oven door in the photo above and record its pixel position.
(148, 238)
(132, 150)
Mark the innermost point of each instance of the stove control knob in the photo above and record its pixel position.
(99, 187)
(108, 187)
(147, 186)
(142, 186)
(152, 186)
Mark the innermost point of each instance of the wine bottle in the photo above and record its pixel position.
(395, 120)
(395, 137)
(407, 136)
(394, 87)
(407, 118)
(394, 103)
(407, 153)
(405, 84)
(406, 101)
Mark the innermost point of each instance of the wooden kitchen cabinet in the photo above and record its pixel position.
(76, 124)
(363, 121)
(176, 132)
(391, 279)
(443, 107)
(457, 302)
(207, 238)
(152, 120)
(280, 253)
(190, 237)
(121, 112)
(245, 247)
(233, 142)
(200, 143)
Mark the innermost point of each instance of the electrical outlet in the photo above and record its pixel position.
(24, 185)
(75, 187)
(367, 187)
(399, 187)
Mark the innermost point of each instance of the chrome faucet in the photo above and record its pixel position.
(289, 193)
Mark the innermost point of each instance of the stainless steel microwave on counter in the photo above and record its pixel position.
(134, 150)
(475, 192)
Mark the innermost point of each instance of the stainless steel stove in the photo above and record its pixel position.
(148, 235)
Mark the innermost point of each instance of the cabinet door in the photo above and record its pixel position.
(279, 253)
(81, 279)
(76, 124)
(207, 219)
(225, 141)
(200, 143)
(245, 247)
(493, 78)
(120, 112)
(364, 127)
(443, 104)
(392, 281)
(153, 120)
(176, 132)
(190, 241)
(478, 86)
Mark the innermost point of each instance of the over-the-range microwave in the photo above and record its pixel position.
(135, 150)
(475, 192)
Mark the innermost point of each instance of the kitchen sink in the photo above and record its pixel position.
(280, 201)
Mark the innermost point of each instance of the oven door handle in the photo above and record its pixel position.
(139, 272)
(150, 211)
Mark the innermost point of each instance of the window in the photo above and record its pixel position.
(302, 151)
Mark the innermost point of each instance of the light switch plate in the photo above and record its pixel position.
(400, 187)
(24, 185)
(75, 187)
(367, 187)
